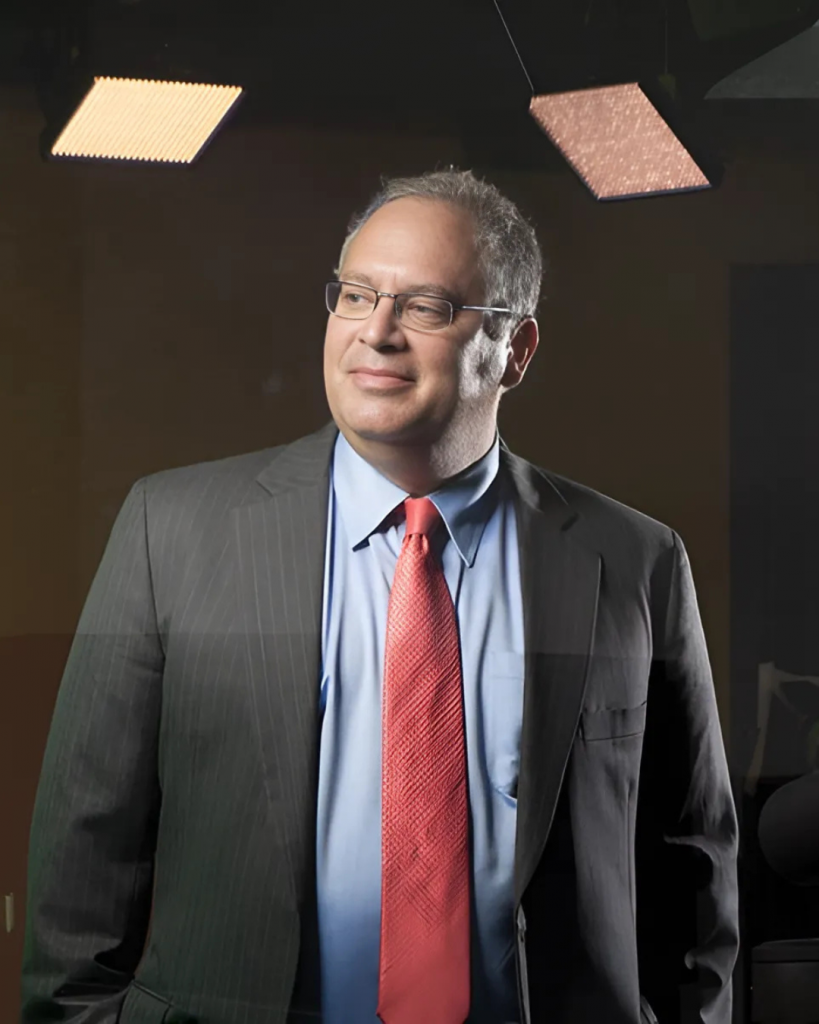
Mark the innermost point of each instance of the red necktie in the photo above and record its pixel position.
(424, 962)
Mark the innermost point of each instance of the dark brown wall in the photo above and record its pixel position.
(138, 333)
(40, 447)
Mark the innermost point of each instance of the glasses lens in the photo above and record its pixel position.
(353, 301)
(425, 313)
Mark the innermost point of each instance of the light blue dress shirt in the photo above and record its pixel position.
(480, 559)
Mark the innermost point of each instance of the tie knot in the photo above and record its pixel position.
(422, 516)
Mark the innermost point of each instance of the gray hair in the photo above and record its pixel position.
(509, 254)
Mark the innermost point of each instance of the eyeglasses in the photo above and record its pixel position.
(427, 313)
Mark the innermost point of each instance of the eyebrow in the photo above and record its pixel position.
(424, 289)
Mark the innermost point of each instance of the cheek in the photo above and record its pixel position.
(448, 372)
(335, 345)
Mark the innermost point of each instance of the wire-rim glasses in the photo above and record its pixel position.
(427, 313)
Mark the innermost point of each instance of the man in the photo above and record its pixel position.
(410, 729)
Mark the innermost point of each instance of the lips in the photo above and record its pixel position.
(379, 382)
(381, 373)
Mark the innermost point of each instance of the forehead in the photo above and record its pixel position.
(417, 239)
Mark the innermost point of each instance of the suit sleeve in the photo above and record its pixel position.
(687, 835)
(93, 830)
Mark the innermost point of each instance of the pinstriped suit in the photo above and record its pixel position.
(185, 734)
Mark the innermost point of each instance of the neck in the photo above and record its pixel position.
(424, 468)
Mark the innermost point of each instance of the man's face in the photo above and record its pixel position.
(453, 375)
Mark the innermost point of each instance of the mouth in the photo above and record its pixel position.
(380, 373)
(379, 380)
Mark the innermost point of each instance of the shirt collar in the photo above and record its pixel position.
(465, 502)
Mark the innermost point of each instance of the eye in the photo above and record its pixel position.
(425, 312)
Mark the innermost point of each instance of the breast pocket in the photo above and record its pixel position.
(613, 723)
(502, 706)
(142, 1006)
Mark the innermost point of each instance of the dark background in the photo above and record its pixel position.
(774, 563)
(676, 372)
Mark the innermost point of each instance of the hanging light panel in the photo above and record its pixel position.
(137, 119)
(617, 142)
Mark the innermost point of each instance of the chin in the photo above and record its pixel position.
(384, 424)
(388, 433)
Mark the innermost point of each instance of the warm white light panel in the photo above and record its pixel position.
(136, 119)
(617, 142)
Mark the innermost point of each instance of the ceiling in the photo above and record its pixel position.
(445, 63)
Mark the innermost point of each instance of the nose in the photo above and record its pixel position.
(382, 326)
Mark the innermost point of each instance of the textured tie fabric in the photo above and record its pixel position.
(424, 959)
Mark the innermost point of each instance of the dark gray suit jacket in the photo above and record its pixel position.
(183, 758)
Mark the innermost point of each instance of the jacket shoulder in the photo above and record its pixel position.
(612, 526)
(232, 477)
(231, 481)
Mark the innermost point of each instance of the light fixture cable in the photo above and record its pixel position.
(514, 47)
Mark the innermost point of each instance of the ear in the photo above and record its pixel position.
(522, 346)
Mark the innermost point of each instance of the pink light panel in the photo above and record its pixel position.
(617, 142)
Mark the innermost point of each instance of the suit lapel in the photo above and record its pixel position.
(560, 578)
(280, 547)
(280, 556)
